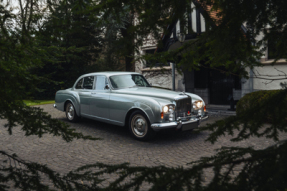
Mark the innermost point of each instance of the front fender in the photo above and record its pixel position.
(152, 107)
(195, 97)
(147, 110)
(121, 106)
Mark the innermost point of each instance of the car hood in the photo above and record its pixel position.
(155, 92)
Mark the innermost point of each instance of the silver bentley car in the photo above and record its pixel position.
(126, 98)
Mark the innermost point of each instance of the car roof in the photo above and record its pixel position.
(108, 73)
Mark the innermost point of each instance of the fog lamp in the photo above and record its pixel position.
(199, 112)
(171, 117)
(171, 109)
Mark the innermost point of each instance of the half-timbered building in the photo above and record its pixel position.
(213, 86)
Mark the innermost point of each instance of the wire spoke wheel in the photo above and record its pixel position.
(71, 112)
(139, 126)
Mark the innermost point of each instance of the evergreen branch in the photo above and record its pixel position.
(253, 121)
(30, 177)
(35, 121)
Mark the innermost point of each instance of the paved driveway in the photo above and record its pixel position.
(168, 148)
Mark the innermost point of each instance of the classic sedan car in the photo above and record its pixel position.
(126, 98)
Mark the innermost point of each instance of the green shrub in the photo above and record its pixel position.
(258, 100)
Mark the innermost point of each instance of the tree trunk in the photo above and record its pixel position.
(129, 37)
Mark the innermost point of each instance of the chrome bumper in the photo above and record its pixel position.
(192, 123)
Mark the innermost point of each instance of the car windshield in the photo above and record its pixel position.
(128, 81)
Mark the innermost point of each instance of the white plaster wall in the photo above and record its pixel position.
(265, 52)
(270, 73)
(246, 84)
(156, 77)
(159, 78)
(139, 64)
(193, 17)
(179, 79)
(236, 94)
(148, 43)
(164, 78)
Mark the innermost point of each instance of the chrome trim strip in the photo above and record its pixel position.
(178, 124)
(102, 119)
(203, 119)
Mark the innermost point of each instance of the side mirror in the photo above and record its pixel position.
(107, 87)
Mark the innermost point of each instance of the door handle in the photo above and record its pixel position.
(93, 93)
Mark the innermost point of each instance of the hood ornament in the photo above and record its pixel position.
(182, 93)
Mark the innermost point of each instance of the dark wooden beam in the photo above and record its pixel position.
(198, 22)
(174, 31)
(189, 25)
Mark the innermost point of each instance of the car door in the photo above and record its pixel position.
(84, 88)
(99, 105)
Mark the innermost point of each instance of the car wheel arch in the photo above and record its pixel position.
(131, 111)
(70, 101)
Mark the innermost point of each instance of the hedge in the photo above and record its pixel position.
(263, 99)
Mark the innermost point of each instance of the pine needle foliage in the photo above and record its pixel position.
(21, 52)
(71, 35)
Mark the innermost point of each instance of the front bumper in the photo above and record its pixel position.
(184, 125)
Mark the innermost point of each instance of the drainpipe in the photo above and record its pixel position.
(251, 81)
(251, 76)
(173, 76)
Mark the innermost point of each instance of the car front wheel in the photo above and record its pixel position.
(71, 113)
(139, 126)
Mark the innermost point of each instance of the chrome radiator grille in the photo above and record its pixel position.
(183, 107)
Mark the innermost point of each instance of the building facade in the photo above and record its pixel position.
(212, 85)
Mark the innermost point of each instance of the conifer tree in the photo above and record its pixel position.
(73, 39)
(21, 52)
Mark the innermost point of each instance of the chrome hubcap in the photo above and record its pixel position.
(139, 125)
(70, 111)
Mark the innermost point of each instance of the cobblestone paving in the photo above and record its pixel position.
(168, 148)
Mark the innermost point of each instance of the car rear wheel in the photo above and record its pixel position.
(139, 126)
(71, 113)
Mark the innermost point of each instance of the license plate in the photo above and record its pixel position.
(189, 126)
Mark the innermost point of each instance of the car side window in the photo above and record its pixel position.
(101, 82)
(88, 82)
(79, 84)
(138, 80)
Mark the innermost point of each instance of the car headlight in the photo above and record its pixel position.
(168, 111)
(165, 109)
(197, 104)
